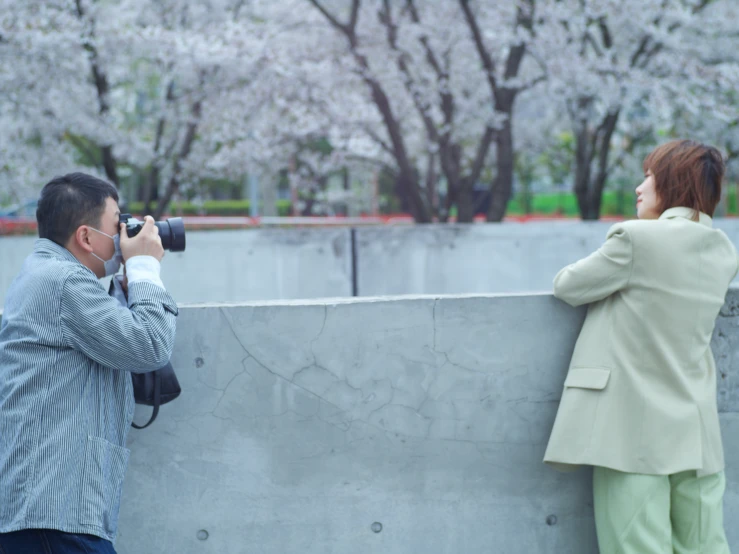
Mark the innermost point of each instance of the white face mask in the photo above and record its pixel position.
(114, 264)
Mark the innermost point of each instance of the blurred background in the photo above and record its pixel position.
(367, 117)
(401, 110)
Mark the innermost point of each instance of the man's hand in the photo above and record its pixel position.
(146, 243)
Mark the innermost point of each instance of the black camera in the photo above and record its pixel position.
(171, 231)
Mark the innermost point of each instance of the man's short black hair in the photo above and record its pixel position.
(69, 201)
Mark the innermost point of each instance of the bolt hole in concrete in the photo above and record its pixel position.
(552, 520)
(202, 535)
(376, 527)
(199, 362)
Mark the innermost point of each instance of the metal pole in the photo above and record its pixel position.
(355, 276)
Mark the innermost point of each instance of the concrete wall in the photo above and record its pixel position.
(265, 264)
(387, 426)
(234, 266)
(461, 259)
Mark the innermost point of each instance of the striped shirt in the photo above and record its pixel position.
(66, 396)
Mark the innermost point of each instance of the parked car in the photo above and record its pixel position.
(19, 219)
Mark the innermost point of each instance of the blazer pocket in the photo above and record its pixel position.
(595, 378)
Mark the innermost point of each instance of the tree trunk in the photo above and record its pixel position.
(502, 187)
(150, 189)
(309, 202)
(596, 196)
(589, 188)
(110, 166)
(408, 180)
(101, 85)
(431, 197)
(503, 98)
(163, 204)
(174, 182)
(408, 185)
(449, 201)
(465, 204)
(583, 159)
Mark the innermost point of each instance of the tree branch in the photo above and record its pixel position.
(515, 54)
(636, 140)
(657, 46)
(532, 84)
(447, 99)
(407, 171)
(385, 16)
(161, 124)
(483, 148)
(487, 61)
(605, 33)
(430, 56)
(101, 85)
(589, 39)
(640, 50)
(185, 149)
(354, 15)
(349, 28)
(374, 136)
(700, 6)
(152, 184)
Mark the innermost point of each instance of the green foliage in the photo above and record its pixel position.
(559, 158)
(322, 146)
(210, 207)
(731, 207)
(553, 204)
(284, 207)
(566, 204)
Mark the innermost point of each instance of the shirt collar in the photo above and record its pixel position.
(687, 213)
(46, 246)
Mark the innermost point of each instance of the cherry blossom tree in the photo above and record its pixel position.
(608, 58)
(131, 82)
(161, 97)
(461, 93)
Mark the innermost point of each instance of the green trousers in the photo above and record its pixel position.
(659, 514)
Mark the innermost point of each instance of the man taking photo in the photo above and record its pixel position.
(67, 350)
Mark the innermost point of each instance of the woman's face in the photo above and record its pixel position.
(646, 199)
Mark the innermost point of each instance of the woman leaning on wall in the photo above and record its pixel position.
(639, 400)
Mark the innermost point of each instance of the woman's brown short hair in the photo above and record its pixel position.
(686, 173)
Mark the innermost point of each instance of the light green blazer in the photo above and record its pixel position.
(640, 394)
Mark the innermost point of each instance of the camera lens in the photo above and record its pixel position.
(172, 233)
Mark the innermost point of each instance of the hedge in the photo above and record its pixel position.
(544, 204)
(566, 204)
(211, 207)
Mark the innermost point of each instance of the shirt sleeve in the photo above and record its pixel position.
(144, 268)
(139, 338)
(605, 271)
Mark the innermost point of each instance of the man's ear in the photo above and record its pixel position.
(81, 238)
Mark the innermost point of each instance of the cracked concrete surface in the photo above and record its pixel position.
(303, 423)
